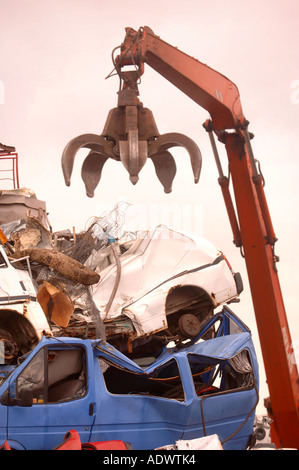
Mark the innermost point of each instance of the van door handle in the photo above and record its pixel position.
(92, 409)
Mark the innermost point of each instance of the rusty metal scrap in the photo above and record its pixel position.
(33, 235)
(62, 263)
(56, 304)
(91, 284)
(19, 203)
(6, 148)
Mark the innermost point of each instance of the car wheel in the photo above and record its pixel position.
(189, 325)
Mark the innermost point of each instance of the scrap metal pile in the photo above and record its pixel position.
(137, 290)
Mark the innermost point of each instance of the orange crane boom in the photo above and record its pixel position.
(252, 226)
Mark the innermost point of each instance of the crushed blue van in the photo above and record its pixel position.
(200, 388)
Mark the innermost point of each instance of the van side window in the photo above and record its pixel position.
(55, 375)
(164, 382)
(233, 374)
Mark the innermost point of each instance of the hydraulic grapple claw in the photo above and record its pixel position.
(91, 141)
(92, 170)
(165, 169)
(130, 135)
(133, 152)
(175, 139)
(132, 142)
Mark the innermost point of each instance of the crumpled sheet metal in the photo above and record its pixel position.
(19, 203)
(211, 442)
(155, 263)
(56, 305)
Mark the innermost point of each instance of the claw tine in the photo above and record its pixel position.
(69, 153)
(92, 170)
(173, 139)
(133, 155)
(165, 169)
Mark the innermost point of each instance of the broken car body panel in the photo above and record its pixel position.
(22, 320)
(15, 204)
(176, 397)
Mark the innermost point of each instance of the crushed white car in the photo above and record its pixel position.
(155, 286)
(22, 320)
(162, 284)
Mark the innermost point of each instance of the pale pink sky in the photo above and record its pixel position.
(54, 57)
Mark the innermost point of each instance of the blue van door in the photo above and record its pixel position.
(55, 380)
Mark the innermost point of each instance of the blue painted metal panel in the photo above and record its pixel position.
(145, 421)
